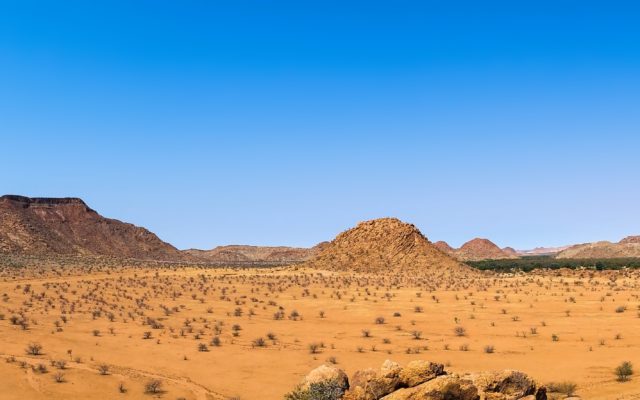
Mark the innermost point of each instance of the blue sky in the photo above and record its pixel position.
(287, 122)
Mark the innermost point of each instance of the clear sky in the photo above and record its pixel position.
(287, 122)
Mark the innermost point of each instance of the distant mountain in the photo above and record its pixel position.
(444, 247)
(387, 244)
(482, 249)
(542, 251)
(630, 239)
(67, 226)
(243, 253)
(628, 247)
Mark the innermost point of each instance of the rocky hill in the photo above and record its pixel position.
(67, 226)
(385, 244)
(444, 247)
(418, 380)
(244, 254)
(482, 249)
(630, 240)
(626, 248)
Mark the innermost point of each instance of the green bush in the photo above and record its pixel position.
(325, 390)
(624, 371)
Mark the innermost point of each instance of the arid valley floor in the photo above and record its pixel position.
(102, 329)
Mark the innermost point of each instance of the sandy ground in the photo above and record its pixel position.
(108, 312)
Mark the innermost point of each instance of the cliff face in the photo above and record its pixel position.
(67, 226)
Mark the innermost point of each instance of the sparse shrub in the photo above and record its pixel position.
(34, 349)
(489, 349)
(624, 371)
(58, 377)
(314, 348)
(154, 386)
(103, 369)
(566, 388)
(460, 331)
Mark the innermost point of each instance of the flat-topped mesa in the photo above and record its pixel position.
(385, 244)
(67, 226)
(42, 201)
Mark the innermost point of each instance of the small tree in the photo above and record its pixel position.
(624, 371)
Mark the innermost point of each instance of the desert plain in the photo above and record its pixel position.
(107, 332)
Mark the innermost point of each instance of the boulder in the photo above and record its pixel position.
(506, 385)
(418, 372)
(447, 387)
(370, 384)
(325, 373)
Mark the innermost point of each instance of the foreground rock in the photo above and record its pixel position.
(419, 380)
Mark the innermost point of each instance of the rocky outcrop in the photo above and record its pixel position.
(67, 226)
(419, 380)
(386, 244)
(326, 373)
